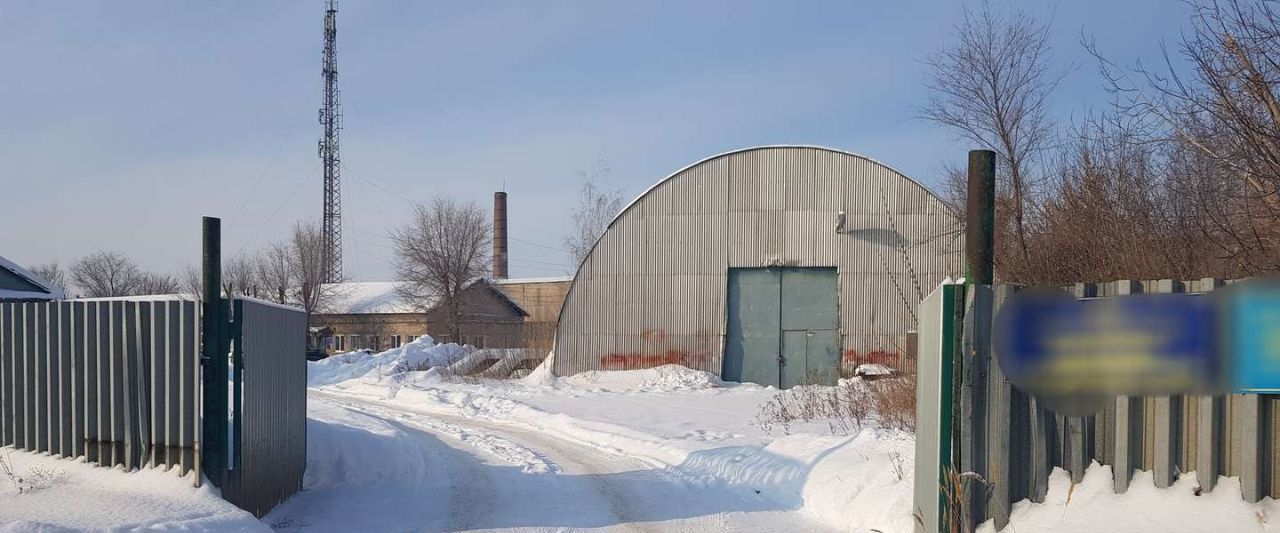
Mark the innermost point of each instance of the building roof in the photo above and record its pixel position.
(358, 297)
(520, 281)
(379, 297)
(18, 283)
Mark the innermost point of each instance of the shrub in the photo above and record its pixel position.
(845, 407)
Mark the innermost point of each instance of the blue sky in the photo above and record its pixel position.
(124, 122)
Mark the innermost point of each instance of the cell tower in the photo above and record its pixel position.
(331, 119)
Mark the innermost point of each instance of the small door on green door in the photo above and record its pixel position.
(782, 326)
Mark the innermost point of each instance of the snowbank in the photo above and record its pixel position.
(420, 354)
(1092, 505)
(666, 378)
(68, 494)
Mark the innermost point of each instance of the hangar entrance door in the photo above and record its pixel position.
(782, 326)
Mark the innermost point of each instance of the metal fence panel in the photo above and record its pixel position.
(1232, 435)
(269, 423)
(98, 379)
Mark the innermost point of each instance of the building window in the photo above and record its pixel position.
(340, 342)
(444, 339)
(395, 341)
(478, 341)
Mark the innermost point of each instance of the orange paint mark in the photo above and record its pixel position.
(853, 358)
(636, 361)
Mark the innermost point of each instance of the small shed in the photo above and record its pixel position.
(777, 265)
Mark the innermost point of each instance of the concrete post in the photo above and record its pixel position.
(1041, 464)
(1248, 440)
(1167, 409)
(1209, 441)
(1077, 446)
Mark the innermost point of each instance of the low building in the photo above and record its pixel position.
(20, 284)
(542, 298)
(374, 315)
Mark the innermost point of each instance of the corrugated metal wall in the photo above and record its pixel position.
(1230, 435)
(269, 427)
(114, 381)
(652, 291)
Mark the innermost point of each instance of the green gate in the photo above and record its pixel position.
(782, 326)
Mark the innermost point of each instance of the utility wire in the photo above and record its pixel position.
(361, 177)
(377, 146)
(277, 211)
(288, 135)
(531, 243)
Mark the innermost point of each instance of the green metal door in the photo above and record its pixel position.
(751, 347)
(782, 326)
(810, 345)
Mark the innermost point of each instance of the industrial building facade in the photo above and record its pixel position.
(776, 265)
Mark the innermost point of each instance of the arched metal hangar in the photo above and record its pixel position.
(778, 265)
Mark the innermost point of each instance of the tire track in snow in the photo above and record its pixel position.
(529, 460)
(637, 492)
(621, 503)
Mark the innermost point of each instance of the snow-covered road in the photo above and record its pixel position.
(440, 472)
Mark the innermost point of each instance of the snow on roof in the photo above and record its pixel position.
(372, 297)
(50, 292)
(360, 297)
(549, 279)
(140, 298)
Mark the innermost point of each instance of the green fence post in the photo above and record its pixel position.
(213, 358)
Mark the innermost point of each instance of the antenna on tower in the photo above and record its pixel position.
(331, 119)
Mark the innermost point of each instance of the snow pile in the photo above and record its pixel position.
(1092, 505)
(541, 375)
(665, 378)
(420, 354)
(70, 495)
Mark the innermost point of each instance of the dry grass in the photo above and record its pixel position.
(894, 401)
(36, 477)
(845, 408)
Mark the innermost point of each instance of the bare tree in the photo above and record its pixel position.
(238, 277)
(154, 283)
(191, 282)
(440, 252)
(991, 85)
(596, 208)
(51, 272)
(307, 260)
(1224, 118)
(274, 272)
(105, 274)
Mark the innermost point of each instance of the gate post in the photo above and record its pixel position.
(213, 357)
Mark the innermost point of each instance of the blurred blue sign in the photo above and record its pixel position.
(1254, 329)
(1052, 345)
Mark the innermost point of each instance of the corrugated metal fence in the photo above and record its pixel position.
(1229, 435)
(269, 450)
(114, 381)
(119, 382)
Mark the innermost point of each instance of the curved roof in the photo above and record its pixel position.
(704, 160)
(761, 147)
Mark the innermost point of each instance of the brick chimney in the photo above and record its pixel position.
(499, 235)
